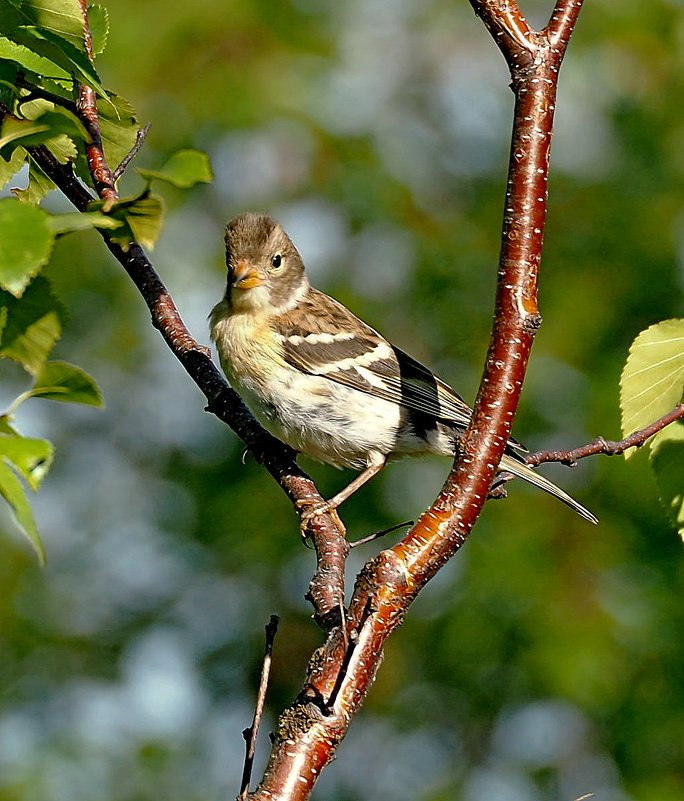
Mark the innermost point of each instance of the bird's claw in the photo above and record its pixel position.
(315, 510)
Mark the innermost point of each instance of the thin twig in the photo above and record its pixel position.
(378, 534)
(133, 152)
(252, 732)
(607, 447)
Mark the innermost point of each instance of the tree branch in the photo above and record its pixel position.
(310, 730)
(326, 590)
(86, 106)
(607, 447)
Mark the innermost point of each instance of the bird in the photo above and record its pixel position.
(322, 380)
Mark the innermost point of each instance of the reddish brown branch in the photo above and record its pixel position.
(607, 447)
(86, 106)
(310, 730)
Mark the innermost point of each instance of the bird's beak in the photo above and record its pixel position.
(245, 276)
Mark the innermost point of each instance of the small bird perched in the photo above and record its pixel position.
(323, 381)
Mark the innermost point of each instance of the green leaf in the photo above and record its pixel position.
(60, 119)
(33, 325)
(5, 427)
(77, 221)
(30, 63)
(142, 218)
(652, 381)
(48, 129)
(61, 381)
(14, 130)
(38, 187)
(31, 457)
(8, 169)
(13, 492)
(118, 127)
(145, 218)
(667, 460)
(98, 17)
(184, 169)
(59, 51)
(25, 244)
(59, 17)
(45, 124)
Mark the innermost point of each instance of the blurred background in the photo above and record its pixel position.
(546, 661)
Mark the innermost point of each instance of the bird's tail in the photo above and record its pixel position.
(519, 469)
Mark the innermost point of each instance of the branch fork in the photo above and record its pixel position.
(343, 668)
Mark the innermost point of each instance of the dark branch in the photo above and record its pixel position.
(326, 591)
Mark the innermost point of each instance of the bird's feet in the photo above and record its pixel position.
(310, 509)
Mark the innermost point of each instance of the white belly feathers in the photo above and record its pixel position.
(313, 414)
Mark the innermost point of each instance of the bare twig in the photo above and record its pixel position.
(132, 153)
(252, 732)
(378, 534)
(607, 447)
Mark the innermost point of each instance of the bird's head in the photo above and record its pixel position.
(265, 271)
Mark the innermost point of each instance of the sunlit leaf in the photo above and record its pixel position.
(184, 169)
(38, 187)
(8, 169)
(59, 51)
(13, 492)
(31, 457)
(14, 130)
(119, 128)
(25, 244)
(60, 17)
(60, 119)
(142, 218)
(77, 221)
(98, 17)
(28, 61)
(33, 325)
(145, 218)
(61, 381)
(652, 380)
(54, 129)
(667, 459)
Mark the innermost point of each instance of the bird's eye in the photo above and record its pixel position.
(277, 261)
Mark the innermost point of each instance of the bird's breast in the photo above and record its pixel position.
(249, 351)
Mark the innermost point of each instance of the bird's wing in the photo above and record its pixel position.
(322, 337)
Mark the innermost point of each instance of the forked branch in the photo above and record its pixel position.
(310, 730)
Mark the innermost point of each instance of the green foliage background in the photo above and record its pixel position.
(546, 661)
